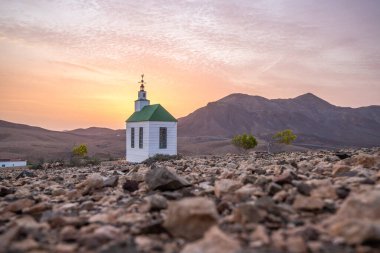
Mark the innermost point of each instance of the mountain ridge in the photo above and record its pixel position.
(208, 129)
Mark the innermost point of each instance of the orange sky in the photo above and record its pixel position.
(70, 64)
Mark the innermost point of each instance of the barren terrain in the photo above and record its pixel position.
(317, 201)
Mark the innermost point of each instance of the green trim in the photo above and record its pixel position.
(152, 113)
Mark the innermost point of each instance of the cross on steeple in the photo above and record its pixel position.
(142, 83)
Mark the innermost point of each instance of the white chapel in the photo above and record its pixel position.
(150, 130)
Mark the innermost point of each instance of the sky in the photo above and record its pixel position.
(67, 64)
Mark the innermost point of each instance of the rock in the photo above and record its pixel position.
(214, 241)
(225, 186)
(285, 178)
(25, 173)
(58, 192)
(4, 191)
(111, 181)
(366, 161)
(91, 184)
(342, 192)
(130, 185)
(26, 245)
(342, 155)
(18, 205)
(304, 188)
(69, 234)
(107, 232)
(296, 244)
(308, 203)
(190, 217)
(260, 234)
(38, 208)
(358, 219)
(248, 213)
(160, 178)
(156, 202)
(7, 236)
(361, 206)
(356, 231)
(340, 170)
(273, 188)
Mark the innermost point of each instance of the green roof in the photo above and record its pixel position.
(152, 113)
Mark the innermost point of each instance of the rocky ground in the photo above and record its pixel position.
(292, 202)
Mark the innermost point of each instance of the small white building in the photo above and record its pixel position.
(6, 163)
(150, 130)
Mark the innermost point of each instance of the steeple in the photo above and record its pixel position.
(142, 83)
(142, 98)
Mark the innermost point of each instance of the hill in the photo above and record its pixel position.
(314, 120)
(32, 143)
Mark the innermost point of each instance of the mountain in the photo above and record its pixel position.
(28, 142)
(315, 121)
(209, 129)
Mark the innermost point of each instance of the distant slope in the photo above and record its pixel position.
(208, 130)
(314, 120)
(32, 143)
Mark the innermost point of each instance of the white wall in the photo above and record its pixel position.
(12, 164)
(151, 140)
(154, 138)
(137, 154)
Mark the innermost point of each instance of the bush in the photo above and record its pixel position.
(245, 141)
(285, 137)
(80, 150)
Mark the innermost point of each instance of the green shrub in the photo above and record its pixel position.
(80, 150)
(285, 137)
(245, 141)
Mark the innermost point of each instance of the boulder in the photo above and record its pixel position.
(190, 217)
(160, 178)
(214, 241)
(226, 186)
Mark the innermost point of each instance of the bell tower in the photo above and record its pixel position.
(142, 98)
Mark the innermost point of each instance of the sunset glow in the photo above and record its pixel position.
(67, 64)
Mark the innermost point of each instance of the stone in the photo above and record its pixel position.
(69, 233)
(361, 206)
(160, 178)
(190, 217)
(4, 191)
(285, 178)
(25, 173)
(296, 244)
(130, 185)
(308, 203)
(111, 181)
(214, 241)
(248, 213)
(342, 155)
(26, 245)
(37, 208)
(156, 202)
(273, 188)
(18, 205)
(260, 234)
(304, 188)
(358, 219)
(91, 184)
(356, 232)
(226, 186)
(342, 192)
(366, 161)
(340, 170)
